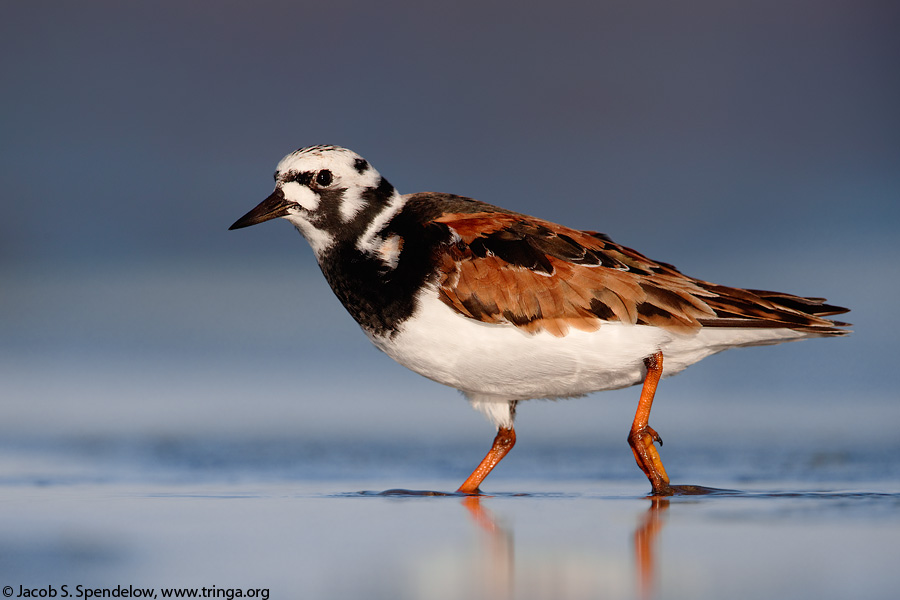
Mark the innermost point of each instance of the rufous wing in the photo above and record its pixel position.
(539, 276)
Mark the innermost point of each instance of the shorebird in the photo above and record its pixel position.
(506, 307)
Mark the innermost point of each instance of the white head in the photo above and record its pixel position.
(329, 193)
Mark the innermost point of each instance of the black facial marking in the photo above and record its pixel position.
(327, 216)
(384, 188)
(360, 165)
(301, 177)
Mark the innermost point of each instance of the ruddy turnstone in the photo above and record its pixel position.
(506, 307)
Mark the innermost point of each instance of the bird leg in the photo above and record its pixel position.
(503, 443)
(642, 436)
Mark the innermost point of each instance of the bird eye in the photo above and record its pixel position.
(324, 178)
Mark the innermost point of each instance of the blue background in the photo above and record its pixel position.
(750, 144)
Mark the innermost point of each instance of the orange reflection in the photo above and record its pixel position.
(498, 572)
(645, 541)
(500, 563)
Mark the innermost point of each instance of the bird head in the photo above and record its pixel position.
(330, 194)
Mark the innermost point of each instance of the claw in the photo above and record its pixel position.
(653, 435)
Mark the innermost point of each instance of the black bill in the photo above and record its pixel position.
(271, 208)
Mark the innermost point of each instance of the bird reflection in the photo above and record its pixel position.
(499, 565)
(645, 541)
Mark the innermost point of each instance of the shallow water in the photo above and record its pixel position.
(311, 519)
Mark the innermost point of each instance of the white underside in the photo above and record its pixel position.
(496, 364)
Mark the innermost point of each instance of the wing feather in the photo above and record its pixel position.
(506, 267)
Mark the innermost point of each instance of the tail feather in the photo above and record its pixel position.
(745, 308)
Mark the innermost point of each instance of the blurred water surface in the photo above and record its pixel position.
(306, 517)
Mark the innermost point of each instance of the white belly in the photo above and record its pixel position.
(502, 362)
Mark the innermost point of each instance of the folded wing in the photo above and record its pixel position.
(540, 276)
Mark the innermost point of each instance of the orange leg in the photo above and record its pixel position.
(642, 436)
(503, 443)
